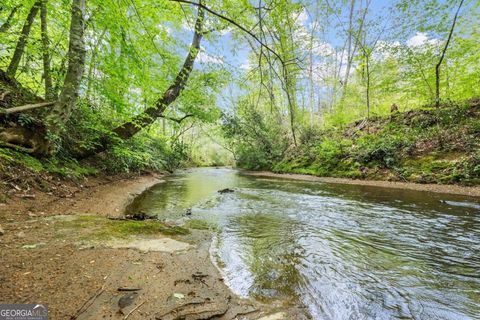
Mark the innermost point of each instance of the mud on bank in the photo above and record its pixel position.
(67, 253)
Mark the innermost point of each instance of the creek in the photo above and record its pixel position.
(343, 251)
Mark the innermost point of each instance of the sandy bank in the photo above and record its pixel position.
(54, 251)
(437, 188)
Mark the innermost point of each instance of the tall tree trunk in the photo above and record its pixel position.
(22, 41)
(367, 66)
(350, 53)
(442, 56)
(149, 115)
(291, 100)
(76, 63)
(8, 23)
(46, 52)
(311, 97)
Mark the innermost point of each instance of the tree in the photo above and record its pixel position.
(63, 107)
(442, 56)
(8, 23)
(22, 40)
(49, 94)
(38, 138)
(151, 114)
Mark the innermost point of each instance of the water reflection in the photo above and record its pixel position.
(346, 252)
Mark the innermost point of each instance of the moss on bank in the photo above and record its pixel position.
(426, 146)
(198, 224)
(66, 167)
(89, 227)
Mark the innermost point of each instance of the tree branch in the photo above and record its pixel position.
(7, 24)
(26, 107)
(221, 16)
(177, 120)
(437, 67)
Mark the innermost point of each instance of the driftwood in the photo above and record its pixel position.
(128, 289)
(90, 301)
(133, 310)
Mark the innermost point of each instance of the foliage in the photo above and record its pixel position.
(63, 167)
(428, 146)
(258, 142)
(330, 88)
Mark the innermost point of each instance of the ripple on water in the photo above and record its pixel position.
(346, 252)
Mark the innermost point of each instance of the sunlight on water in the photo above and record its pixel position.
(345, 252)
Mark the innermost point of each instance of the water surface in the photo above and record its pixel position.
(343, 251)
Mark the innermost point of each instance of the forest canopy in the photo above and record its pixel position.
(158, 84)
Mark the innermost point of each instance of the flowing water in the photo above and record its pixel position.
(345, 252)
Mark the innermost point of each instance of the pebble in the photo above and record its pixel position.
(2, 232)
(21, 234)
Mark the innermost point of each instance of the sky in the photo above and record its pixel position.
(232, 53)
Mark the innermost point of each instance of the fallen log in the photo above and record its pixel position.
(26, 107)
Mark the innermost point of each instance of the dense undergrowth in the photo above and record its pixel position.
(429, 145)
(148, 151)
(144, 153)
(152, 149)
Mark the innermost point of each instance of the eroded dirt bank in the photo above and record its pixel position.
(437, 188)
(63, 251)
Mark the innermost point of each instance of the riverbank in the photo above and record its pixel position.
(61, 249)
(425, 146)
(437, 188)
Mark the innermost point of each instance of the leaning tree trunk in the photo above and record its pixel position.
(62, 109)
(22, 41)
(146, 118)
(46, 52)
(149, 115)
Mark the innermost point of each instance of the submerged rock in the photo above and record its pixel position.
(140, 216)
(226, 190)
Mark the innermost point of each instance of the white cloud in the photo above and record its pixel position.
(204, 57)
(322, 71)
(168, 30)
(246, 66)
(302, 18)
(417, 40)
(421, 39)
(324, 49)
